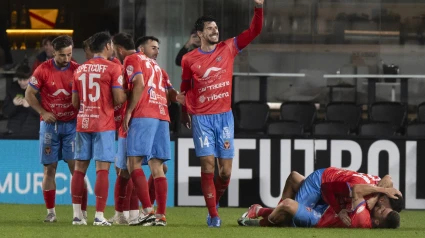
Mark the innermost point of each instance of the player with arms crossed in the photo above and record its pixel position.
(53, 79)
(97, 88)
(207, 81)
(148, 139)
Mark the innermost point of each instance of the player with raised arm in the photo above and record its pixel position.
(97, 88)
(207, 81)
(53, 79)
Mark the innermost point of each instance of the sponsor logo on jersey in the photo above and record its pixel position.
(212, 69)
(202, 99)
(360, 209)
(85, 123)
(59, 91)
(226, 145)
(218, 59)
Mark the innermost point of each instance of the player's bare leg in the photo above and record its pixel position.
(101, 192)
(209, 190)
(140, 183)
(77, 191)
(71, 167)
(161, 190)
(49, 191)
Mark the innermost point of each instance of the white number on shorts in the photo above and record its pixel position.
(204, 142)
(92, 84)
(150, 81)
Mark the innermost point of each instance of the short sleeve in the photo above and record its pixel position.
(117, 78)
(186, 71)
(166, 80)
(36, 80)
(132, 68)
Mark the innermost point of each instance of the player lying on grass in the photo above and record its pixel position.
(308, 206)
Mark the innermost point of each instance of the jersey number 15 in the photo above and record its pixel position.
(92, 84)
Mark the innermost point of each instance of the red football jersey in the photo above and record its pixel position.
(153, 102)
(55, 87)
(211, 74)
(360, 218)
(115, 60)
(333, 174)
(94, 81)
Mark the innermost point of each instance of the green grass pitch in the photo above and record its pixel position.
(26, 221)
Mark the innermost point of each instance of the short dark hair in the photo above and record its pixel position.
(200, 23)
(99, 41)
(391, 221)
(86, 43)
(125, 40)
(47, 39)
(61, 42)
(23, 71)
(144, 39)
(397, 204)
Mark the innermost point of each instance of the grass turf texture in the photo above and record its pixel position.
(26, 221)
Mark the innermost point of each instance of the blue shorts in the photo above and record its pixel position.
(57, 141)
(310, 203)
(149, 138)
(213, 135)
(99, 146)
(121, 155)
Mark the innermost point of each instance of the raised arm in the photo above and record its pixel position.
(243, 39)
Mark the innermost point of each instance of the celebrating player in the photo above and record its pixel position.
(207, 81)
(97, 88)
(53, 79)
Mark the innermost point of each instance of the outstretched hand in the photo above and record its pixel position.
(343, 215)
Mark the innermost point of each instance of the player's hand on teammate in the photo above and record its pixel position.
(48, 117)
(186, 120)
(259, 3)
(391, 192)
(343, 215)
(181, 98)
(126, 121)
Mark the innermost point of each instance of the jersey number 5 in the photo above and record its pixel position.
(92, 84)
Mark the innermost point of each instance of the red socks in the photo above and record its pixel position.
(121, 186)
(161, 189)
(84, 200)
(129, 190)
(141, 185)
(208, 189)
(265, 212)
(220, 188)
(151, 189)
(49, 198)
(101, 189)
(77, 188)
(134, 200)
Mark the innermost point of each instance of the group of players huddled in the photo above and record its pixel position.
(122, 88)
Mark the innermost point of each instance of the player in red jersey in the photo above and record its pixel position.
(148, 110)
(149, 45)
(97, 88)
(355, 212)
(53, 79)
(124, 49)
(207, 80)
(306, 208)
